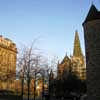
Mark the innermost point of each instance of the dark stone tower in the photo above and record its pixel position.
(92, 47)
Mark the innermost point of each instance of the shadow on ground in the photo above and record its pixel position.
(9, 95)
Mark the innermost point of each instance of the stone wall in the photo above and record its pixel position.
(92, 47)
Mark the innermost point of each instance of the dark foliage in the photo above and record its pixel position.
(67, 87)
(9, 95)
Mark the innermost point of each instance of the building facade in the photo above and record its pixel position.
(92, 47)
(8, 55)
(63, 67)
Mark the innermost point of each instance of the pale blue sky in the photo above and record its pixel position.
(53, 21)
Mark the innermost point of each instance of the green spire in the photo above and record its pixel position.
(77, 48)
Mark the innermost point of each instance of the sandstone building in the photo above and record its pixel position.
(92, 45)
(8, 79)
(8, 54)
(75, 63)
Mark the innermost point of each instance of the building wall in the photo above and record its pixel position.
(78, 67)
(8, 54)
(63, 68)
(92, 46)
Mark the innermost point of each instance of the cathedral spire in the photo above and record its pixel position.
(77, 48)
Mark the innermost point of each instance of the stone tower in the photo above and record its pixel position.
(77, 48)
(92, 47)
(78, 65)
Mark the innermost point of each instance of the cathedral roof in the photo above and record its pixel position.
(93, 14)
(66, 58)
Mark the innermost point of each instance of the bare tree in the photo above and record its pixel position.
(30, 63)
(54, 65)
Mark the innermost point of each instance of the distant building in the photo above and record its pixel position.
(75, 63)
(77, 60)
(8, 55)
(63, 67)
(8, 79)
(92, 47)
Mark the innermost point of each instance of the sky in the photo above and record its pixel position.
(51, 22)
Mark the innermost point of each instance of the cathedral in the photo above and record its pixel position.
(75, 63)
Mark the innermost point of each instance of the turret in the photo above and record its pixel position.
(91, 27)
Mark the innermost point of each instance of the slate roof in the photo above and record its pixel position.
(93, 14)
